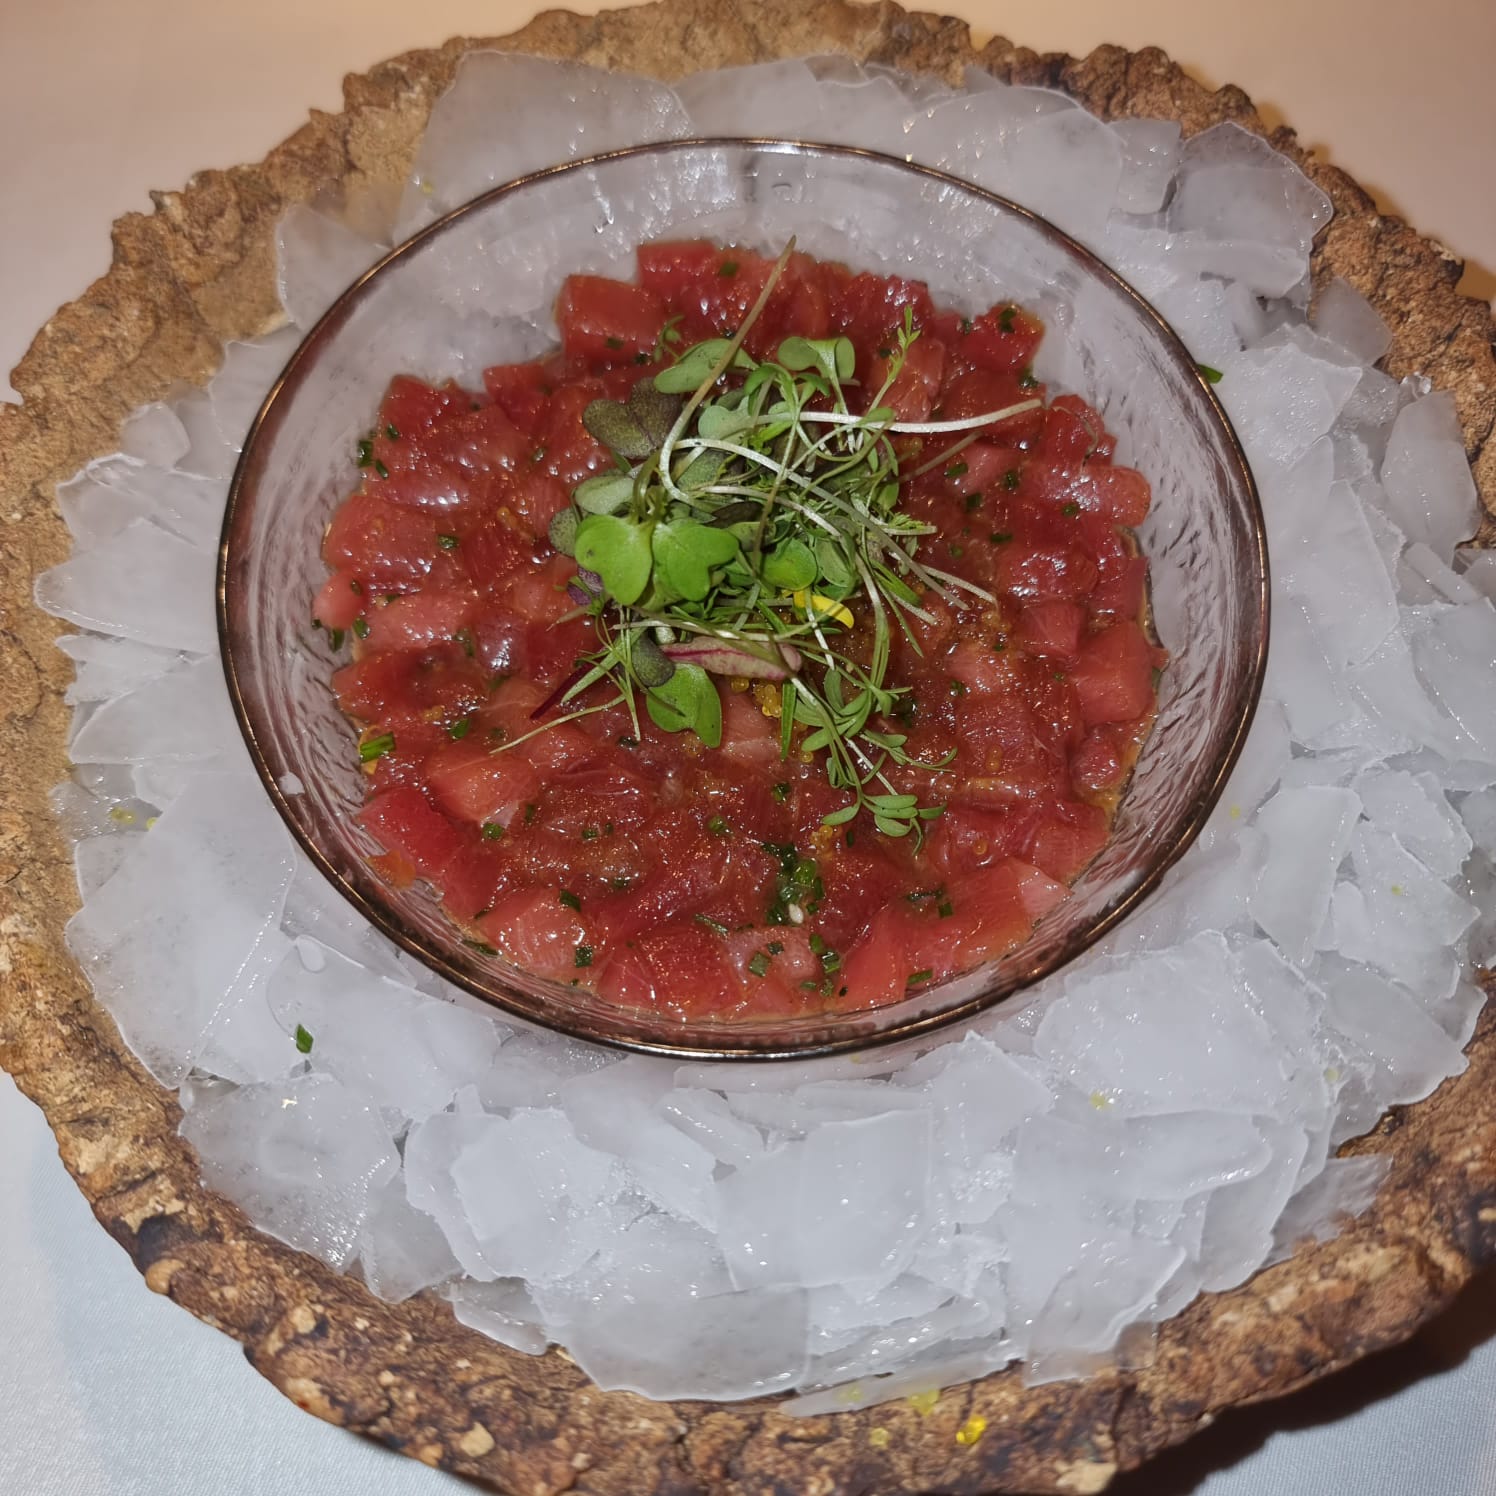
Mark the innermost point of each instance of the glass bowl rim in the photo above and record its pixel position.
(639, 1034)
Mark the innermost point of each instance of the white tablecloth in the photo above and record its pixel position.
(107, 1390)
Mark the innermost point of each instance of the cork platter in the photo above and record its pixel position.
(199, 271)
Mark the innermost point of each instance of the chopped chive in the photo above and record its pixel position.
(1057, 674)
(717, 826)
(304, 1040)
(590, 833)
(921, 894)
(538, 455)
(973, 501)
(1000, 537)
(464, 637)
(460, 728)
(999, 644)
(945, 909)
(641, 358)
(381, 469)
(922, 975)
(570, 900)
(885, 353)
(390, 432)
(817, 944)
(775, 947)
(956, 551)
(1212, 376)
(958, 687)
(530, 809)
(584, 955)
(481, 946)
(850, 837)
(1070, 510)
(448, 542)
(335, 638)
(727, 268)
(492, 831)
(1026, 379)
(615, 342)
(758, 964)
(355, 586)
(625, 741)
(781, 793)
(377, 747)
(956, 470)
(966, 325)
(1010, 480)
(1005, 319)
(361, 627)
(831, 961)
(365, 451)
(620, 883)
(707, 922)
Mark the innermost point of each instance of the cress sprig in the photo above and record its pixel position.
(751, 517)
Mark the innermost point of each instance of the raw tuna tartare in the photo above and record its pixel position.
(776, 645)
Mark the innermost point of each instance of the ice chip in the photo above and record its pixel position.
(1240, 1218)
(154, 435)
(507, 114)
(300, 1157)
(144, 584)
(1165, 1032)
(401, 1249)
(1347, 318)
(1345, 1189)
(167, 940)
(182, 714)
(846, 1205)
(1282, 400)
(104, 667)
(1414, 809)
(1427, 476)
(401, 1050)
(503, 1310)
(317, 259)
(1409, 1052)
(1150, 157)
(1309, 832)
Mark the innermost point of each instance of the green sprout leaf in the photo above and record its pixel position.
(836, 358)
(791, 566)
(685, 553)
(607, 493)
(688, 700)
(618, 550)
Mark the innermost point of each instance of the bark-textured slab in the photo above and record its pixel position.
(199, 270)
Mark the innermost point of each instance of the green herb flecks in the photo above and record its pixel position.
(376, 747)
(304, 1040)
(750, 526)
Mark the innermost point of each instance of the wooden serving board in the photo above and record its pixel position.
(200, 270)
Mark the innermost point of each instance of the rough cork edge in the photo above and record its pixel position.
(199, 270)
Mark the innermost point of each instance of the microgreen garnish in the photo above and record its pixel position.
(304, 1040)
(751, 528)
(376, 747)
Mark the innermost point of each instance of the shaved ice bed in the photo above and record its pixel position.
(1159, 1120)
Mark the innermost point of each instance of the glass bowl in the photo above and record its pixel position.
(475, 288)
